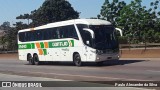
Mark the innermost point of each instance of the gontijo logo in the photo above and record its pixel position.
(58, 44)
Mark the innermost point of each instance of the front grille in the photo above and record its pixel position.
(107, 51)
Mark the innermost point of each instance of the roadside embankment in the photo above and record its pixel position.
(9, 56)
(140, 53)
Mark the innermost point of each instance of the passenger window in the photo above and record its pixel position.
(45, 34)
(63, 32)
(72, 32)
(50, 33)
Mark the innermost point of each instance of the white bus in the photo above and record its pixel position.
(79, 40)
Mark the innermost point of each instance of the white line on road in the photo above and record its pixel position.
(153, 71)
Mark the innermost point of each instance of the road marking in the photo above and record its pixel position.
(153, 71)
(58, 74)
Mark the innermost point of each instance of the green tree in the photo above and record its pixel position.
(20, 25)
(139, 24)
(3, 42)
(25, 16)
(157, 37)
(131, 19)
(51, 11)
(111, 10)
(5, 26)
(11, 37)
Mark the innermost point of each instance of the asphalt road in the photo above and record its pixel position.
(123, 70)
(84, 85)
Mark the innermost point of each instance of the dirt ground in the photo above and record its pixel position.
(133, 53)
(9, 56)
(140, 53)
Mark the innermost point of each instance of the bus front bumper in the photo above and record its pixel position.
(106, 57)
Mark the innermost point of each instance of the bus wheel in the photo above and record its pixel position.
(30, 60)
(77, 60)
(36, 59)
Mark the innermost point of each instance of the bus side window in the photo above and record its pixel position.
(40, 35)
(31, 36)
(72, 32)
(52, 33)
(49, 34)
(36, 35)
(46, 34)
(63, 32)
(25, 36)
(67, 31)
(58, 33)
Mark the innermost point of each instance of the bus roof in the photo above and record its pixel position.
(92, 22)
(69, 22)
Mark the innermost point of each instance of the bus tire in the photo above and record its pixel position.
(36, 60)
(30, 60)
(100, 63)
(77, 60)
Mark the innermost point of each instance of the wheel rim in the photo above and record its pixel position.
(30, 59)
(36, 61)
(78, 60)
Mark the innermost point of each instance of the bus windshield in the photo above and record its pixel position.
(104, 37)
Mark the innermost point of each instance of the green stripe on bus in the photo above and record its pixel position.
(45, 51)
(54, 44)
(42, 44)
(72, 41)
(33, 46)
(25, 46)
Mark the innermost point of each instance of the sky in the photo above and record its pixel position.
(10, 9)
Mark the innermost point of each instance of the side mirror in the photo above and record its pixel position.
(120, 31)
(90, 31)
(87, 42)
